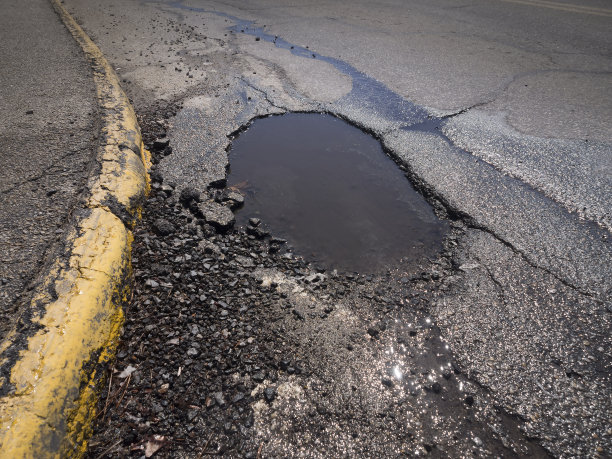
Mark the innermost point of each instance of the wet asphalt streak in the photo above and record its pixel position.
(520, 292)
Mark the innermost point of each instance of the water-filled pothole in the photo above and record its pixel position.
(330, 190)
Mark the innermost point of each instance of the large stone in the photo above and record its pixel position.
(233, 198)
(160, 144)
(216, 215)
(188, 196)
(163, 227)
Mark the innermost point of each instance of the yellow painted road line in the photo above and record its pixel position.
(56, 377)
(565, 7)
(572, 5)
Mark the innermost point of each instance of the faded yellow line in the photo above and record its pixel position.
(580, 7)
(565, 7)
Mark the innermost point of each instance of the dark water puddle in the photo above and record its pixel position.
(329, 189)
(367, 93)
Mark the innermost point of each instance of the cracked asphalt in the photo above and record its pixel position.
(498, 113)
(48, 142)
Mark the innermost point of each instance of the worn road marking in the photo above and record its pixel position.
(569, 7)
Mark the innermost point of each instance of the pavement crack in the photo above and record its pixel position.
(83, 271)
(57, 167)
(437, 199)
(503, 87)
(464, 110)
(264, 94)
(31, 179)
(432, 194)
(498, 285)
(471, 224)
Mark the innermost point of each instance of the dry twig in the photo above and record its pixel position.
(107, 450)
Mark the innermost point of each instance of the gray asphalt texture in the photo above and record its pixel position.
(518, 155)
(49, 122)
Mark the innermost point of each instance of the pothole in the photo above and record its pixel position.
(330, 190)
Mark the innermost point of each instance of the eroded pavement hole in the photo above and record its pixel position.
(329, 189)
(233, 348)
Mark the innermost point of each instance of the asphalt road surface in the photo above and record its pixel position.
(48, 140)
(499, 113)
